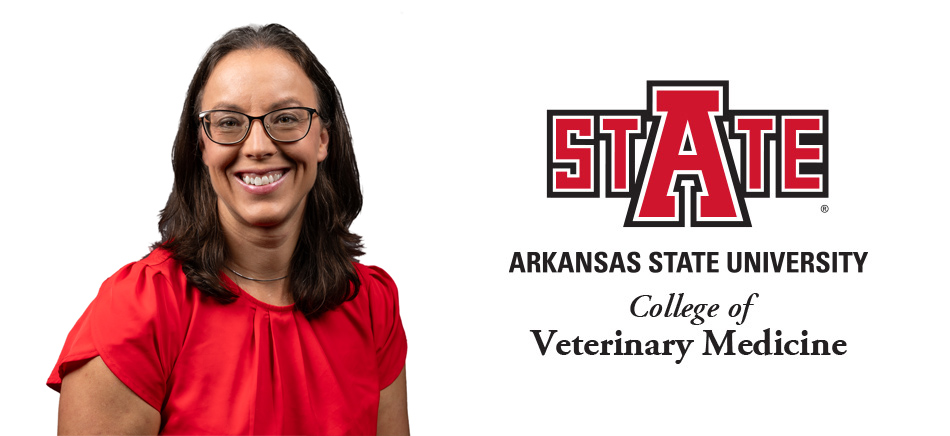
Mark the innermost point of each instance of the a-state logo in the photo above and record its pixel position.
(687, 167)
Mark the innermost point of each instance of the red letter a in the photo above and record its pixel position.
(688, 168)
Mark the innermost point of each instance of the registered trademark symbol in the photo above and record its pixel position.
(824, 208)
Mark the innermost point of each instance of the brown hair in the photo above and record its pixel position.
(321, 270)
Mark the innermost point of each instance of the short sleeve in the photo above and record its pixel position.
(133, 324)
(388, 333)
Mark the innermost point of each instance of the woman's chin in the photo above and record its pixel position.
(260, 214)
(266, 220)
(262, 217)
(274, 216)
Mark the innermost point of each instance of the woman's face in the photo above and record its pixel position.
(256, 82)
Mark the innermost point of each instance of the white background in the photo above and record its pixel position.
(447, 107)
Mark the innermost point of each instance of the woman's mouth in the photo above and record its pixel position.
(260, 181)
(256, 180)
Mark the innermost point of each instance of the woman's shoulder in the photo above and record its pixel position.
(157, 278)
(379, 293)
(389, 337)
(373, 272)
(136, 324)
(159, 261)
(376, 282)
(159, 257)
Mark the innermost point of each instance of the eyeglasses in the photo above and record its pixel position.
(282, 125)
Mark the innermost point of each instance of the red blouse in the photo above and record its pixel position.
(242, 368)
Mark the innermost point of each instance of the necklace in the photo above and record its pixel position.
(256, 280)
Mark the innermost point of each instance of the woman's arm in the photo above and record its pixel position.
(393, 409)
(94, 401)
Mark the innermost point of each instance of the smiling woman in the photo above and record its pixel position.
(251, 314)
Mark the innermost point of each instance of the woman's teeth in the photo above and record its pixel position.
(261, 181)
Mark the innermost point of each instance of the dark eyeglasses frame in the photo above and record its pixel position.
(207, 124)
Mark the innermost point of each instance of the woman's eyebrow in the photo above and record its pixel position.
(285, 102)
(227, 106)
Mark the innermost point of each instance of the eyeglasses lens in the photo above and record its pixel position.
(288, 124)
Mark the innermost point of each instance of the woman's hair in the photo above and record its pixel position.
(321, 273)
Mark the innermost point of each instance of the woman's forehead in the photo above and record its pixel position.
(257, 80)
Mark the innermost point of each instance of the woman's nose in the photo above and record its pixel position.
(258, 145)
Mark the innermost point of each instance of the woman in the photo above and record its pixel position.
(250, 316)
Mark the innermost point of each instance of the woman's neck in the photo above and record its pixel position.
(261, 253)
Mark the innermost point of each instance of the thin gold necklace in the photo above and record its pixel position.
(253, 279)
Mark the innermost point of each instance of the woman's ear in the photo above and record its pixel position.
(201, 147)
(324, 144)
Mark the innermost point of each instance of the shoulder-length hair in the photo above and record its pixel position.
(321, 274)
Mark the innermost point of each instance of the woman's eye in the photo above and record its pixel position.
(227, 123)
(286, 119)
